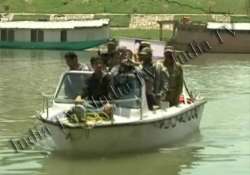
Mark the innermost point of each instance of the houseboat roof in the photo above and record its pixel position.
(228, 26)
(53, 24)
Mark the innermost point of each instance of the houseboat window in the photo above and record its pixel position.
(11, 35)
(63, 36)
(37, 35)
(40, 35)
(3, 35)
(33, 35)
(7, 35)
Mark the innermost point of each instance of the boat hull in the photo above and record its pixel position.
(221, 41)
(76, 45)
(127, 137)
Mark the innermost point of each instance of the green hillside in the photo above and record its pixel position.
(126, 6)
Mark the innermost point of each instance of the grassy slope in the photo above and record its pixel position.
(125, 6)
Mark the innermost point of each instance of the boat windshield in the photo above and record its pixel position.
(72, 85)
(124, 94)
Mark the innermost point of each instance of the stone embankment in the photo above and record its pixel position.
(149, 21)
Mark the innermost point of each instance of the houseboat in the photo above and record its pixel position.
(220, 37)
(58, 35)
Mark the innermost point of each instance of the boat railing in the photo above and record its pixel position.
(46, 102)
(129, 103)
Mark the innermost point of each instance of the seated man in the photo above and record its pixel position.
(98, 84)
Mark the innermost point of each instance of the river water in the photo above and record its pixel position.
(221, 147)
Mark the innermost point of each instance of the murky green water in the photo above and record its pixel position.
(221, 147)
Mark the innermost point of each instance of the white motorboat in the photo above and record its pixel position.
(132, 126)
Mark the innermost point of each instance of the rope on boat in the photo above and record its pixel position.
(88, 120)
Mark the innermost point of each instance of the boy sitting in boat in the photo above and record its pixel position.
(98, 84)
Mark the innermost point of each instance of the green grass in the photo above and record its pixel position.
(195, 18)
(31, 17)
(126, 6)
(116, 20)
(140, 33)
(240, 18)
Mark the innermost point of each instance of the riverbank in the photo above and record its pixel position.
(129, 25)
(135, 21)
(126, 6)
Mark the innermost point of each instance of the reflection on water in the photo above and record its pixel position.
(22, 163)
(222, 147)
(167, 161)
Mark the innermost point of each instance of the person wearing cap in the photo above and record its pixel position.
(161, 82)
(72, 62)
(156, 77)
(111, 46)
(124, 62)
(149, 76)
(142, 44)
(110, 54)
(116, 60)
(99, 82)
(175, 77)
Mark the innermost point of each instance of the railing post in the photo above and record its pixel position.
(43, 102)
(46, 103)
(47, 106)
(141, 108)
(161, 32)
